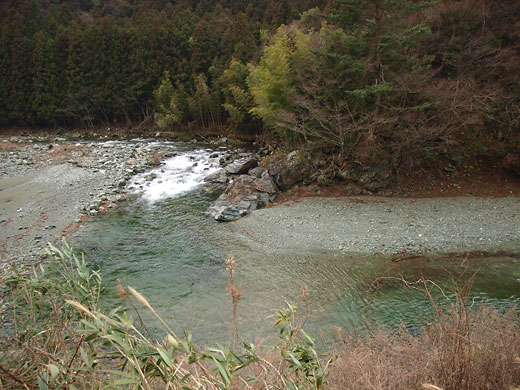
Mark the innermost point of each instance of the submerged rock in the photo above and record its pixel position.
(225, 211)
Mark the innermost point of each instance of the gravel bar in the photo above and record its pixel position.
(49, 188)
(379, 225)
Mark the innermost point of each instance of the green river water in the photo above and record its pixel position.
(174, 256)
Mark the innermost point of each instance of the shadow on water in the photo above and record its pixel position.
(173, 255)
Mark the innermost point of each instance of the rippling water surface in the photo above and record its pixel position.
(162, 245)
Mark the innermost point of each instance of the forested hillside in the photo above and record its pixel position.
(82, 62)
(370, 79)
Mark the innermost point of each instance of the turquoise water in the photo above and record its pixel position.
(173, 255)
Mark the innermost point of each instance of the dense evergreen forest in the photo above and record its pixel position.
(371, 79)
(82, 62)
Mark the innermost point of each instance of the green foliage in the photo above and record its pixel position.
(167, 112)
(83, 284)
(47, 94)
(238, 99)
(83, 63)
(298, 350)
(341, 80)
(269, 82)
(65, 340)
(365, 78)
(43, 322)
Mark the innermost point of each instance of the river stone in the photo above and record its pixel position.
(368, 176)
(242, 165)
(242, 196)
(246, 185)
(257, 172)
(290, 170)
(230, 213)
(352, 188)
(512, 163)
(220, 177)
(376, 177)
(322, 179)
(258, 200)
(349, 174)
(223, 210)
(266, 184)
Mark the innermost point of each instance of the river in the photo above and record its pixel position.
(161, 244)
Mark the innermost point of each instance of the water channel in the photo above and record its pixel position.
(161, 244)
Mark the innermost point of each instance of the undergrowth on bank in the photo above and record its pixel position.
(64, 339)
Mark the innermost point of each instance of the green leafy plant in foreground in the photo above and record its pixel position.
(63, 339)
(298, 349)
(45, 350)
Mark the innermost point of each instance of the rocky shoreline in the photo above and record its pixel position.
(50, 186)
(254, 187)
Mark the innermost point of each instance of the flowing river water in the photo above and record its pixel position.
(161, 244)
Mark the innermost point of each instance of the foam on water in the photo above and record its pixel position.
(177, 175)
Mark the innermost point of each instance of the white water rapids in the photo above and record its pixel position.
(176, 175)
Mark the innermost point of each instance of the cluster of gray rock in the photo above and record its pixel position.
(21, 161)
(110, 165)
(47, 184)
(118, 162)
(253, 187)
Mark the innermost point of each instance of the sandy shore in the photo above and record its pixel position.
(372, 225)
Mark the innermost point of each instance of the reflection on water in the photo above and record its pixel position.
(174, 256)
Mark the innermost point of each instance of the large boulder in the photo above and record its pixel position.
(290, 170)
(219, 177)
(244, 195)
(241, 166)
(257, 172)
(246, 185)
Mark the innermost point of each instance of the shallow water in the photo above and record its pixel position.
(164, 247)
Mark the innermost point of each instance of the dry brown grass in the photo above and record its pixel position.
(469, 350)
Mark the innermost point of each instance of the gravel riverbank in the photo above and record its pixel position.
(49, 187)
(379, 225)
